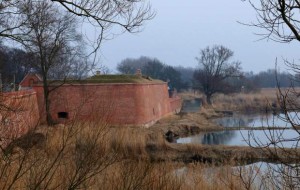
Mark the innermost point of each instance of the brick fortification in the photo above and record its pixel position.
(129, 103)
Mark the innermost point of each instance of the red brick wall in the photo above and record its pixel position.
(134, 104)
(175, 104)
(29, 80)
(18, 114)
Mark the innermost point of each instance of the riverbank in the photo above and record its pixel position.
(156, 143)
(94, 154)
(144, 144)
(212, 154)
(81, 155)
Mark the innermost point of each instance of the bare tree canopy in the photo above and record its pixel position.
(215, 66)
(154, 68)
(48, 29)
(101, 14)
(50, 35)
(279, 19)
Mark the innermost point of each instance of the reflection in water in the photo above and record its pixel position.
(218, 137)
(191, 105)
(214, 138)
(242, 138)
(256, 120)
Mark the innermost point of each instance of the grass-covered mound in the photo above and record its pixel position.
(120, 79)
(110, 79)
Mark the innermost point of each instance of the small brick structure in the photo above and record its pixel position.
(141, 102)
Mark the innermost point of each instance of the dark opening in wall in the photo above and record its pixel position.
(63, 115)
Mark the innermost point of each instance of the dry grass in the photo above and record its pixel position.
(191, 94)
(263, 100)
(187, 124)
(259, 101)
(94, 155)
(89, 156)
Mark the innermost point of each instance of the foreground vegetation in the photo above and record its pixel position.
(90, 156)
(94, 155)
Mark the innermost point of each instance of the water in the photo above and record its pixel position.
(260, 175)
(189, 106)
(256, 120)
(265, 175)
(244, 138)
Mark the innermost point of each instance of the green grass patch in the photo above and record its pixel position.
(114, 79)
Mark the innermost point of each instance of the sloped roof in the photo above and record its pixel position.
(35, 75)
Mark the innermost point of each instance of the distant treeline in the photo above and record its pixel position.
(181, 77)
(272, 78)
(14, 65)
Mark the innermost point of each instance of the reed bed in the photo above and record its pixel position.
(94, 156)
(263, 100)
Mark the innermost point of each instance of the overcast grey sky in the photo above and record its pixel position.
(181, 28)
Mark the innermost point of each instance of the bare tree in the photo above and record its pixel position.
(279, 19)
(51, 36)
(44, 32)
(10, 20)
(101, 14)
(215, 68)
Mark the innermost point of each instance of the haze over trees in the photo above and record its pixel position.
(14, 65)
(248, 81)
(153, 68)
(215, 70)
(186, 76)
(272, 78)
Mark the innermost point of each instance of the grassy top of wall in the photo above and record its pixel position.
(121, 79)
(114, 79)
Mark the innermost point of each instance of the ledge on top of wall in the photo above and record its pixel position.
(110, 79)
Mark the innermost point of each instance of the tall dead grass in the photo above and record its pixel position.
(71, 157)
(258, 101)
(97, 156)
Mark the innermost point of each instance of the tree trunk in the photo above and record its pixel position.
(47, 102)
(208, 99)
(50, 121)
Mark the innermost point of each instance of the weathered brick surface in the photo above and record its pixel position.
(125, 103)
(175, 104)
(18, 114)
(116, 103)
(30, 80)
